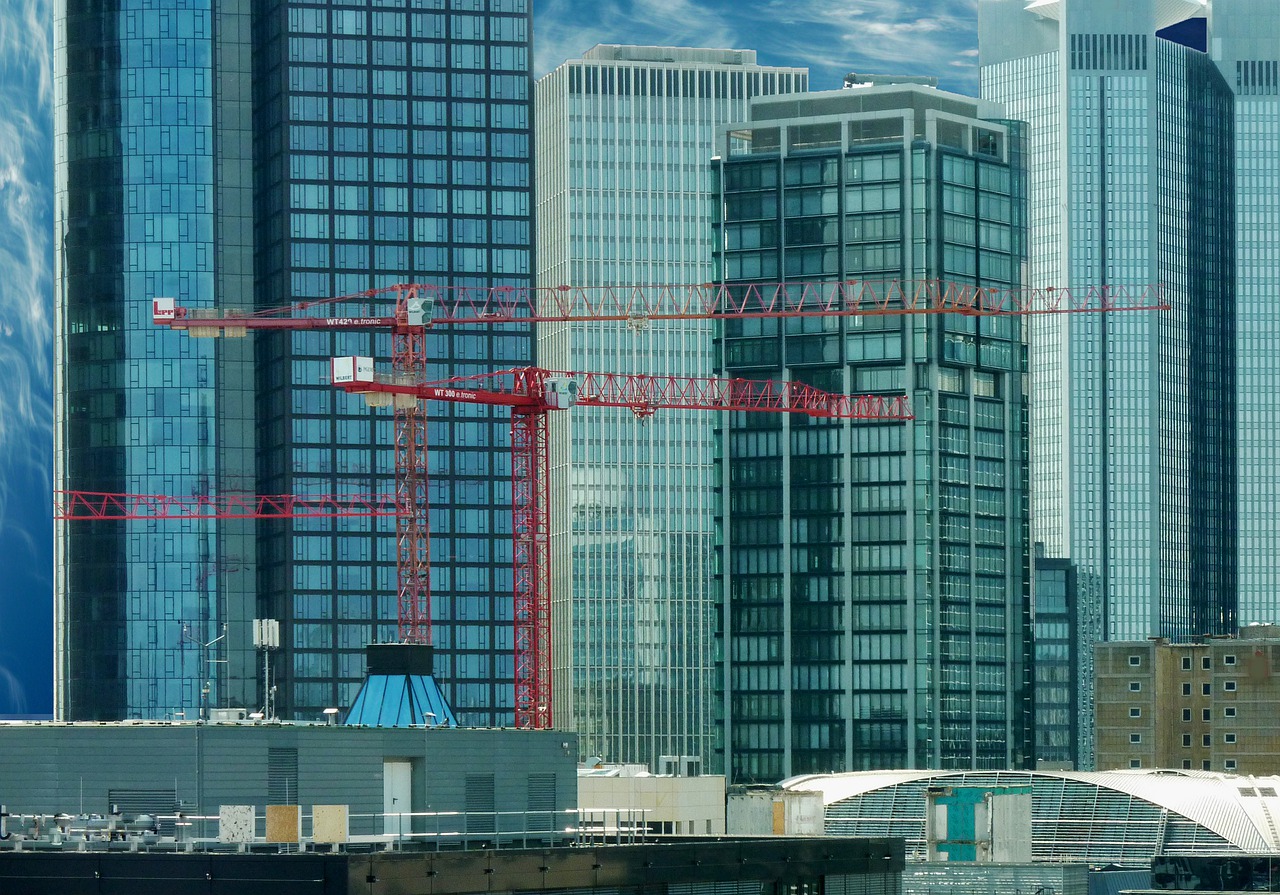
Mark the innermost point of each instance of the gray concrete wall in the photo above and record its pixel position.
(52, 767)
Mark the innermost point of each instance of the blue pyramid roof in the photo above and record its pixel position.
(401, 700)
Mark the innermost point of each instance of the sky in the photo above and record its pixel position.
(938, 38)
(26, 328)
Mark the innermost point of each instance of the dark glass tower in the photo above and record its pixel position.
(876, 576)
(392, 144)
(150, 108)
(245, 154)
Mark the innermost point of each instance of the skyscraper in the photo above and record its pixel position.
(1242, 44)
(875, 577)
(392, 144)
(1133, 432)
(151, 200)
(238, 155)
(624, 197)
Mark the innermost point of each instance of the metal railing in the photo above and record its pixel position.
(409, 831)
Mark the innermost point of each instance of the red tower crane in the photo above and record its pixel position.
(531, 393)
(416, 307)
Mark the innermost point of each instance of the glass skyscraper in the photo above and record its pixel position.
(145, 208)
(875, 577)
(238, 155)
(1133, 432)
(624, 197)
(392, 145)
(1242, 44)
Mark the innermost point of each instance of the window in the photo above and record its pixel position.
(1205, 764)
(1186, 764)
(1186, 663)
(1135, 712)
(1135, 762)
(1206, 714)
(1186, 691)
(1186, 714)
(1229, 686)
(1207, 740)
(1135, 686)
(1206, 663)
(1135, 739)
(1186, 740)
(1229, 739)
(1206, 689)
(1135, 661)
(1228, 660)
(1229, 764)
(1229, 712)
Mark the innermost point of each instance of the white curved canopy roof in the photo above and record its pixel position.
(1244, 810)
(1167, 12)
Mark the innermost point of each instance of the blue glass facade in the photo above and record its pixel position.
(245, 154)
(875, 576)
(140, 606)
(392, 144)
(1134, 435)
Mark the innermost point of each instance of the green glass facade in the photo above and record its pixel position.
(875, 576)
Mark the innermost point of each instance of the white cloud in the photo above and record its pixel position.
(907, 37)
(26, 290)
(564, 29)
(915, 37)
(13, 698)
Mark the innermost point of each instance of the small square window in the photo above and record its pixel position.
(1186, 740)
(1186, 689)
(1206, 714)
(1135, 738)
(1230, 764)
(1229, 738)
(1135, 713)
(1135, 762)
(1207, 739)
(1186, 764)
(1186, 663)
(1229, 712)
(1135, 686)
(1186, 714)
(1228, 660)
(1206, 689)
(1135, 661)
(1206, 663)
(1204, 765)
(1229, 686)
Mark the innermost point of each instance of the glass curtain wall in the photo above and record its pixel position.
(875, 575)
(392, 146)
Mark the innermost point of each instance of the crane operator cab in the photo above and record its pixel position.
(560, 392)
(418, 309)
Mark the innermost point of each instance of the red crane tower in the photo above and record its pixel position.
(531, 393)
(409, 310)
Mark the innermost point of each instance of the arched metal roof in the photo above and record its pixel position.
(1166, 12)
(1123, 817)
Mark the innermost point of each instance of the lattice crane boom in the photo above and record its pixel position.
(531, 393)
(418, 304)
(101, 505)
